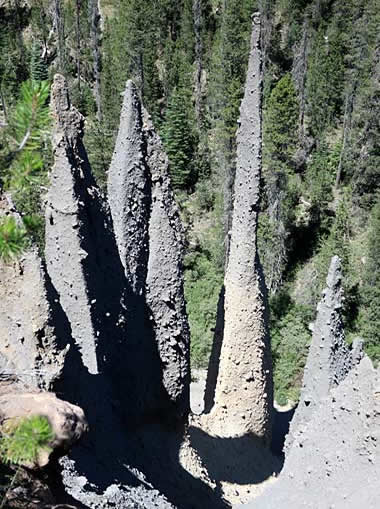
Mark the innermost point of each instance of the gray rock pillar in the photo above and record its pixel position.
(164, 284)
(329, 359)
(29, 348)
(244, 393)
(335, 462)
(69, 243)
(150, 242)
(129, 191)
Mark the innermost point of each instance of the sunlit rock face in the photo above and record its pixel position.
(150, 241)
(330, 359)
(243, 395)
(30, 348)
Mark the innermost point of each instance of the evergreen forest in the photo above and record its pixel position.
(321, 140)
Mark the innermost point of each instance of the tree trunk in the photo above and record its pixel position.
(3, 105)
(19, 33)
(299, 74)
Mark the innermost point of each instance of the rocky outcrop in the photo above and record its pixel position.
(128, 363)
(29, 347)
(81, 256)
(330, 359)
(69, 203)
(335, 462)
(150, 242)
(67, 421)
(333, 445)
(165, 278)
(129, 191)
(243, 393)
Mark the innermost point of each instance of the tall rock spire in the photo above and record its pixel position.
(330, 359)
(243, 393)
(150, 241)
(164, 284)
(129, 191)
(79, 249)
(65, 249)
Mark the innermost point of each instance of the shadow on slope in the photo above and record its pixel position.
(239, 460)
(135, 455)
(281, 424)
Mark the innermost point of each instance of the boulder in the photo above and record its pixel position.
(67, 421)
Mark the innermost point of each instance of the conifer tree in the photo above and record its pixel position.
(179, 138)
(369, 319)
(280, 141)
(324, 85)
(38, 68)
(22, 168)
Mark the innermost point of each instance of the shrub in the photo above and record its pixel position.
(12, 239)
(23, 440)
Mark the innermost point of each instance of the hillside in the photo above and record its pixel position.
(193, 184)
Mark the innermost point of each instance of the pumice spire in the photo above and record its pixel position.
(244, 394)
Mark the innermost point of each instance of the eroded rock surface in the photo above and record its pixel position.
(243, 393)
(29, 348)
(330, 359)
(136, 397)
(150, 241)
(165, 279)
(335, 461)
(69, 202)
(129, 191)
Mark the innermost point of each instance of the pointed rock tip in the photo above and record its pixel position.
(67, 118)
(335, 272)
(130, 91)
(255, 17)
(59, 94)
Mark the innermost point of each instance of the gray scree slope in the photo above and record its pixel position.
(243, 393)
(29, 347)
(335, 462)
(329, 359)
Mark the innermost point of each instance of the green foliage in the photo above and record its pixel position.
(325, 79)
(28, 133)
(369, 319)
(364, 156)
(38, 67)
(99, 146)
(290, 339)
(203, 272)
(281, 193)
(29, 122)
(281, 117)
(22, 441)
(319, 180)
(178, 134)
(12, 239)
(13, 61)
(202, 286)
(336, 243)
(26, 171)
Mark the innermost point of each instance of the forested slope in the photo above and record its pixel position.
(321, 140)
